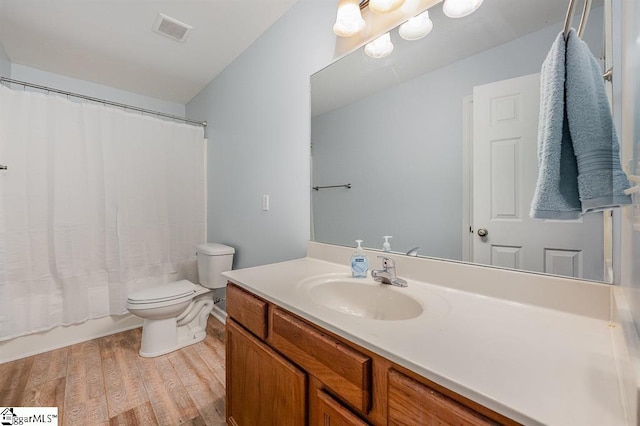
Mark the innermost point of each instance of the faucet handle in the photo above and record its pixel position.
(387, 262)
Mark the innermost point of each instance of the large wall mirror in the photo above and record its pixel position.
(438, 143)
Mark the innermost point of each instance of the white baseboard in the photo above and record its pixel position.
(62, 336)
(219, 314)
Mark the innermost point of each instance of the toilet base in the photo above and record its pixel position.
(160, 337)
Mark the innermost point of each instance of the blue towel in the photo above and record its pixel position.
(556, 195)
(601, 181)
(578, 151)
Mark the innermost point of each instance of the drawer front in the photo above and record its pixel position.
(247, 310)
(345, 371)
(411, 402)
(332, 413)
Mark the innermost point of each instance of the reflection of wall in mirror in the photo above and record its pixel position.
(5, 64)
(401, 149)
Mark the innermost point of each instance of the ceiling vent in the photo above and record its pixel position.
(172, 28)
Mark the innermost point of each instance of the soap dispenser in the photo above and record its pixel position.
(386, 246)
(359, 262)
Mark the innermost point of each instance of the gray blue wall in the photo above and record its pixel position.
(5, 63)
(258, 111)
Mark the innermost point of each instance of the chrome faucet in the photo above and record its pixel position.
(387, 275)
(413, 251)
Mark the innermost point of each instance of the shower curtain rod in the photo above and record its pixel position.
(103, 101)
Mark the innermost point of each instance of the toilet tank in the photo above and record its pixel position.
(214, 259)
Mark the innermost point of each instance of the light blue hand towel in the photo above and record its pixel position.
(578, 153)
(601, 181)
(556, 193)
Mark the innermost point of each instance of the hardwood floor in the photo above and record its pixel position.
(105, 381)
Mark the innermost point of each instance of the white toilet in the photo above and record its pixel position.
(175, 314)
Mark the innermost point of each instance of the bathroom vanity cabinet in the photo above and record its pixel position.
(284, 370)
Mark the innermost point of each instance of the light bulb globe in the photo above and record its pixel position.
(380, 47)
(416, 27)
(349, 19)
(460, 8)
(384, 6)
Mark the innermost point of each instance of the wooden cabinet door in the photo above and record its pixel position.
(262, 387)
(331, 413)
(412, 403)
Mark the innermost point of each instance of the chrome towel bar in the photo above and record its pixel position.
(348, 186)
(583, 19)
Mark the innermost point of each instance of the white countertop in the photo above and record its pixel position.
(533, 364)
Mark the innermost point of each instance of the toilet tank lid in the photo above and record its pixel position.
(215, 249)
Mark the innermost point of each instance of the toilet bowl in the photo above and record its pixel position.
(175, 314)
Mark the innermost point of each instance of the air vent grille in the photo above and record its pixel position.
(172, 28)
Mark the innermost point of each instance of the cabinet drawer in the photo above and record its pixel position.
(248, 310)
(345, 371)
(331, 413)
(411, 402)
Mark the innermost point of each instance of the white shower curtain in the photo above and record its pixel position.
(95, 203)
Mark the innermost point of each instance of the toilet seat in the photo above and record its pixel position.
(176, 291)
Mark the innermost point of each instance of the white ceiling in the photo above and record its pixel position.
(110, 42)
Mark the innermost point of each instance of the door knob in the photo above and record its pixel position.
(482, 232)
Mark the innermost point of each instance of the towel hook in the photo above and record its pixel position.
(583, 19)
(633, 189)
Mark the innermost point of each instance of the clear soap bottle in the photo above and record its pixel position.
(359, 262)
(386, 246)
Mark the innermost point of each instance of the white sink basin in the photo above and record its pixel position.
(362, 297)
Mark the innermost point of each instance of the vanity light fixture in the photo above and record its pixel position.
(416, 27)
(384, 6)
(380, 47)
(349, 19)
(349, 22)
(409, 7)
(460, 8)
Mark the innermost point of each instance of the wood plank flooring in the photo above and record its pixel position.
(105, 382)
